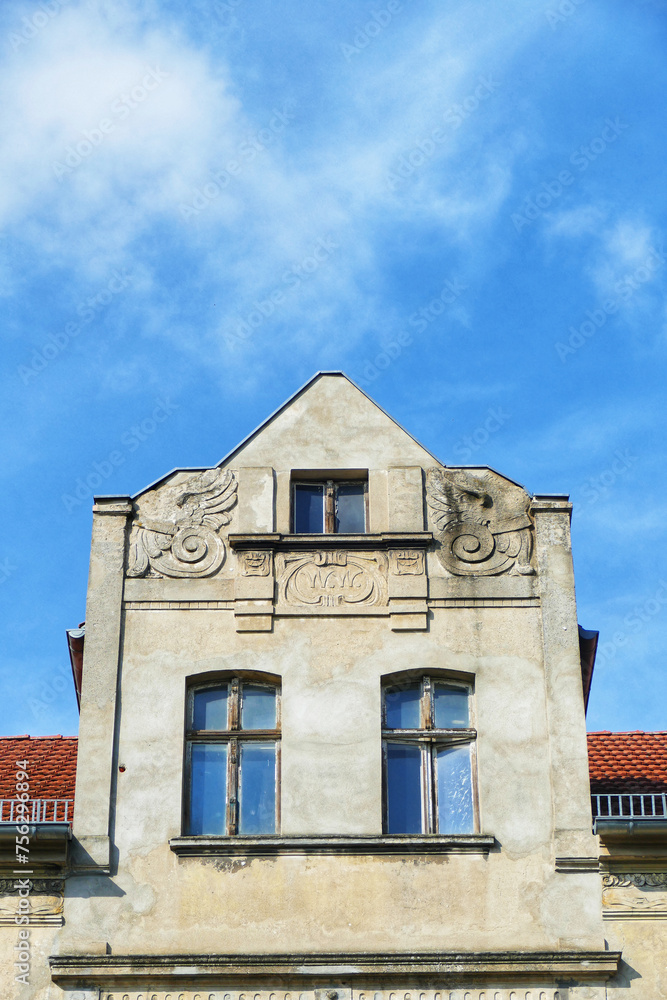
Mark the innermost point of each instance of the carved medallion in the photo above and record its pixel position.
(256, 563)
(333, 579)
(481, 523)
(406, 562)
(189, 545)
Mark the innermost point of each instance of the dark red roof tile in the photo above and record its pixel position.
(628, 762)
(51, 765)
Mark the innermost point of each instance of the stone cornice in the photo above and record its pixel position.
(356, 967)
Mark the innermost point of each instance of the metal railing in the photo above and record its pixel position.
(36, 811)
(630, 806)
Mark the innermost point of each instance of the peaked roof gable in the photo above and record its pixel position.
(330, 423)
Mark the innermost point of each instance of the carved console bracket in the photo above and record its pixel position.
(379, 574)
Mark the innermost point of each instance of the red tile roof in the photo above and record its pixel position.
(628, 762)
(51, 765)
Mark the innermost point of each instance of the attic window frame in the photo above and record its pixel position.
(330, 482)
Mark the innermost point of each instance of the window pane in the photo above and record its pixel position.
(257, 788)
(208, 788)
(258, 707)
(454, 790)
(210, 709)
(404, 796)
(350, 508)
(451, 707)
(403, 707)
(309, 508)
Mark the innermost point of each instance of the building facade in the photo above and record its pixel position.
(332, 739)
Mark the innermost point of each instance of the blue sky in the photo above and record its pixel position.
(462, 206)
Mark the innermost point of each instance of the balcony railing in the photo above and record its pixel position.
(36, 811)
(630, 806)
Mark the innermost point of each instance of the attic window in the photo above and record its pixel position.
(329, 506)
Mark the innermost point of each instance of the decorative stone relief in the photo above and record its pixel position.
(256, 563)
(331, 579)
(406, 562)
(480, 521)
(38, 886)
(189, 545)
(45, 901)
(634, 893)
(638, 879)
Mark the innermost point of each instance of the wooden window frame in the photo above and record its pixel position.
(429, 739)
(231, 737)
(330, 485)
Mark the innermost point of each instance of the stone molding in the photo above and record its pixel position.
(399, 845)
(441, 969)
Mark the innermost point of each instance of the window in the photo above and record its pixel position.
(428, 748)
(233, 744)
(329, 507)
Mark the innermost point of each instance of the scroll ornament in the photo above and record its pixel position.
(482, 526)
(189, 546)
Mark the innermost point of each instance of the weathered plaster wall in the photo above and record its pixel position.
(331, 783)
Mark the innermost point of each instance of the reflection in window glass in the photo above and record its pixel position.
(350, 508)
(454, 781)
(451, 707)
(208, 788)
(258, 707)
(257, 788)
(210, 709)
(404, 798)
(403, 707)
(309, 508)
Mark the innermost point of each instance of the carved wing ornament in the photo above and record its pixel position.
(481, 523)
(190, 545)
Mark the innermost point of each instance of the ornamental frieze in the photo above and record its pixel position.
(480, 521)
(187, 544)
(332, 579)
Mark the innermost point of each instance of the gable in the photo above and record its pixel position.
(330, 424)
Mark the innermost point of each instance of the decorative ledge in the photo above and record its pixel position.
(352, 967)
(382, 541)
(397, 845)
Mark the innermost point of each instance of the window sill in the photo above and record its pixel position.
(382, 541)
(397, 844)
